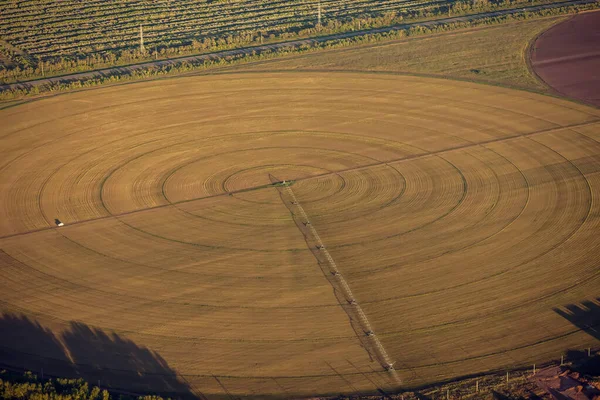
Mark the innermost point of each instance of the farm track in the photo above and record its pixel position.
(267, 47)
(461, 216)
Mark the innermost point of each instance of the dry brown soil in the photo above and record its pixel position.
(462, 216)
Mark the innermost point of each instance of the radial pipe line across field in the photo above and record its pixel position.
(383, 356)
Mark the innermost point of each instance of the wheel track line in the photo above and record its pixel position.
(359, 274)
(502, 272)
(384, 358)
(401, 159)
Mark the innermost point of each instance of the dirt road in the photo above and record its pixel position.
(276, 46)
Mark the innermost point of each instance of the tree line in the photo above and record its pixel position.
(200, 65)
(21, 66)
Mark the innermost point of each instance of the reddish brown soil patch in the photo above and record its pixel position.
(567, 57)
(562, 383)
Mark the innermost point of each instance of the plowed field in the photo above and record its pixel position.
(567, 57)
(463, 217)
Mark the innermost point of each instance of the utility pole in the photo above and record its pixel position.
(142, 49)
(319, 15)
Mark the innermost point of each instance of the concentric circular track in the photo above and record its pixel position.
(463, 217)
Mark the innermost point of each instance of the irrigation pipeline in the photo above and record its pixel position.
(352, 308)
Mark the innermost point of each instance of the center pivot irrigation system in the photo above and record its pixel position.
(283, 183)
(347, 300)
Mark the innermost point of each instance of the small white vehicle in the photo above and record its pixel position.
(58, 222)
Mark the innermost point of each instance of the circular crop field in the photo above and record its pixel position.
(453, 230)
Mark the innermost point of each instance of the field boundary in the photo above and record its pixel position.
(529, 53)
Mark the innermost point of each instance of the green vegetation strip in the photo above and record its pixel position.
(522, 79)
(45, 38)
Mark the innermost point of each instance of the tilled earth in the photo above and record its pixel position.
(464, 218)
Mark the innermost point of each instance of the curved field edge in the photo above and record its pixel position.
(568, 73)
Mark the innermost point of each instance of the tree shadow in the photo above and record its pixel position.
(500, 396)
(558, 395)
(107, 359)
(583, 362)
(585, 316)
(26, 344)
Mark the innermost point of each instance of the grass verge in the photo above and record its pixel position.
(491, 54)
(454, 55)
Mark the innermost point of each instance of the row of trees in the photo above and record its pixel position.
(194, 65)
(21, 68)
(45, 31)
(29, 386)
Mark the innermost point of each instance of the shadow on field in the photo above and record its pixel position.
(585, 316)
(499, 396)
(583, 363)
(89, 353)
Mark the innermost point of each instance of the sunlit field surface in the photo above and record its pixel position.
(463, 217)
